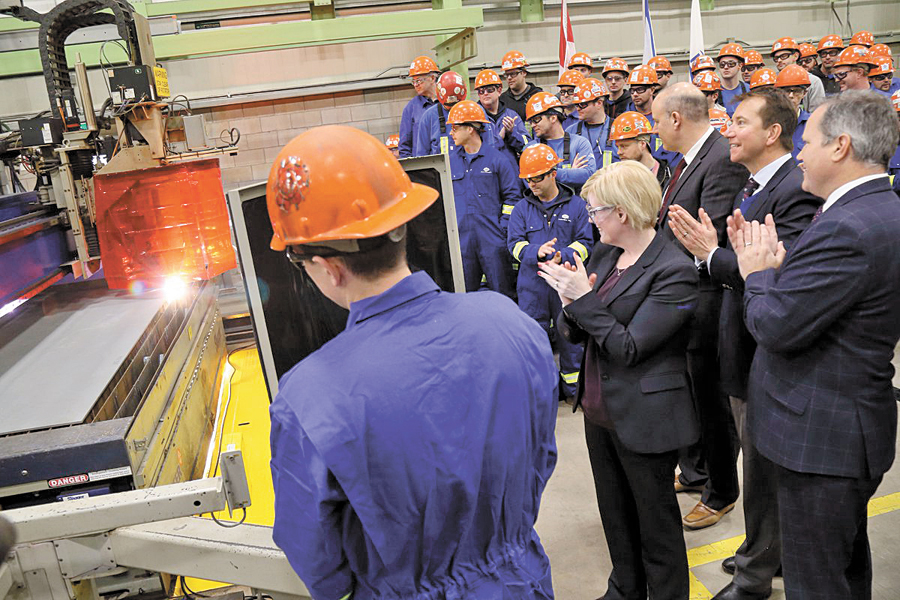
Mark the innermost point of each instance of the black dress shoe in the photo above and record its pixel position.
(733, 592)
(728, 565)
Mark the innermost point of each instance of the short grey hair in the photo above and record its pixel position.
(870, 121)
(688, 101)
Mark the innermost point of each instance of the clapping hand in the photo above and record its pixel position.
(756, 245)
(570, 281)
(698, 237)
(580, 162)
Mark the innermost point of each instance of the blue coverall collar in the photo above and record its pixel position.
(409, 288)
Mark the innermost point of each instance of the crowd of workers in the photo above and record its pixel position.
(713, 262)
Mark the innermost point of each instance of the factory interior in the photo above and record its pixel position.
(144, 321)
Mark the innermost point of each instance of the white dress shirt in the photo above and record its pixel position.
(836, 194)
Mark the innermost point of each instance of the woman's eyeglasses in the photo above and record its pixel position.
(597, 210)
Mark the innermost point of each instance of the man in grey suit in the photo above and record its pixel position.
(760, 139)
(705, 178)
(824, 316)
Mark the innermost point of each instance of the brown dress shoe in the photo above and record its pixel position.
(703, 516)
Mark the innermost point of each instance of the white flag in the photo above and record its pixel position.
(697, 46)
(649, 43)
(566, 39)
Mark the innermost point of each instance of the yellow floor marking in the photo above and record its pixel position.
(884, 504)
(698, 590)
(245, 426)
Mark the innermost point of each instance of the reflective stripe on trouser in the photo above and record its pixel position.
(542, 304)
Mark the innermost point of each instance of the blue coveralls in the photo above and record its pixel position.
(515, 140)
(434, 135)
(729, 98)
(605, 152)
(410, 452)
(894, 171)
(895, 85)
(409, 121)
(567, 151)
(532, 224)
(797, 137)
(571, 120)
(486, 188)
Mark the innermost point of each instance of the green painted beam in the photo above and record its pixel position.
(293, 34)
(531, 11)
(321, 9)
(707, 4)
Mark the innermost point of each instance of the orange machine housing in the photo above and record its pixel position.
(163, 222)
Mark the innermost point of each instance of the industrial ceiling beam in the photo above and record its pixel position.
(291, 34)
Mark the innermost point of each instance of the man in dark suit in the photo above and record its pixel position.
(760, 139)
(705, 178)
(820, 404)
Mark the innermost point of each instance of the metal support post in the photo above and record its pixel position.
(532, 11)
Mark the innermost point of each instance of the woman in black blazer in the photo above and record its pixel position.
(631, 307)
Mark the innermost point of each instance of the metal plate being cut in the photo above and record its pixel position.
(59, 351)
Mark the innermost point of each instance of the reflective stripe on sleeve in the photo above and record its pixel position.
(570, 378)
(580, 249)
(607, 158)
(507, 209)
(517, 249)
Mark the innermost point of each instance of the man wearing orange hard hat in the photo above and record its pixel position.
(615, 75)
(663, 70)
(632, 134)
(550, 223)
(786, 51)
(486, 189)
(379, 436)
(568, 79)
(424, 73)
(731, 61)
(510, 129)
(518, 91)
(829, 49)
(852, 68)
(544, 113)
(581, 62)
(794, 81)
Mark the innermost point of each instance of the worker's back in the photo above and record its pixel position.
(411, 451)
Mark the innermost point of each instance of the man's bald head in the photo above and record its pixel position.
(681, 116)
(687, 100)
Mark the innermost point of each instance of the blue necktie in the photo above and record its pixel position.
(747, 195)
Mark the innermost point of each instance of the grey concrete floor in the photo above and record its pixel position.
(570, 528)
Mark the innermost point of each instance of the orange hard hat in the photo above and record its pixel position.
(752, 57)
(466, 111)
(393, 141)
(513, 60)
(719, 119)
(884, 65)
(832, 40)
(643, 75)
(807, 50)
(792, 76)
(615, 64)
(763, 77)
(451, 88)
(541, 103)
(536, 160)
(629, 125)
(854, 55)
(569, 78)
(895, 100)
(422, 66)
(708, 81)
(339, 183)
(863, 38)
(581, 59)
(734, 50)
(487, 77)
(785, 43)
(660, 63)
(589, 89)
(881, 50)
(702, 63)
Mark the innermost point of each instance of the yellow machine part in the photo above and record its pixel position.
(243, 424)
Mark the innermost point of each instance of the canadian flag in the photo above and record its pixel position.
(566, 39)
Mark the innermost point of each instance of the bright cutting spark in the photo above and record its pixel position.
(11, 306)
(175, 288)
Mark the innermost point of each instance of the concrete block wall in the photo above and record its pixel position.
(267, 126)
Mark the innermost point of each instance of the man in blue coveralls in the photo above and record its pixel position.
(410, 452)
(551, 223)
(594, 123)
(424, 73)
(544, 112)
(486, 189)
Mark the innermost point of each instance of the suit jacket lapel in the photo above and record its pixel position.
(704, 150)
(605, 266)
(634, 272)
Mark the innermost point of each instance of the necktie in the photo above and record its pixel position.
(665, 205)
(817, 215)
(747, 195)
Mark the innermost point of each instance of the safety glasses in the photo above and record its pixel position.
(488, 89)
(829, 53)
(749, 68)
(596, 211)
(841, 76)
(536, 119)
(420, 80)
(782, 56)
(566, 92)
(539, 178)
(728, 64)
(614, 79)
(584, 105)
(882, 77)
(513, 73)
